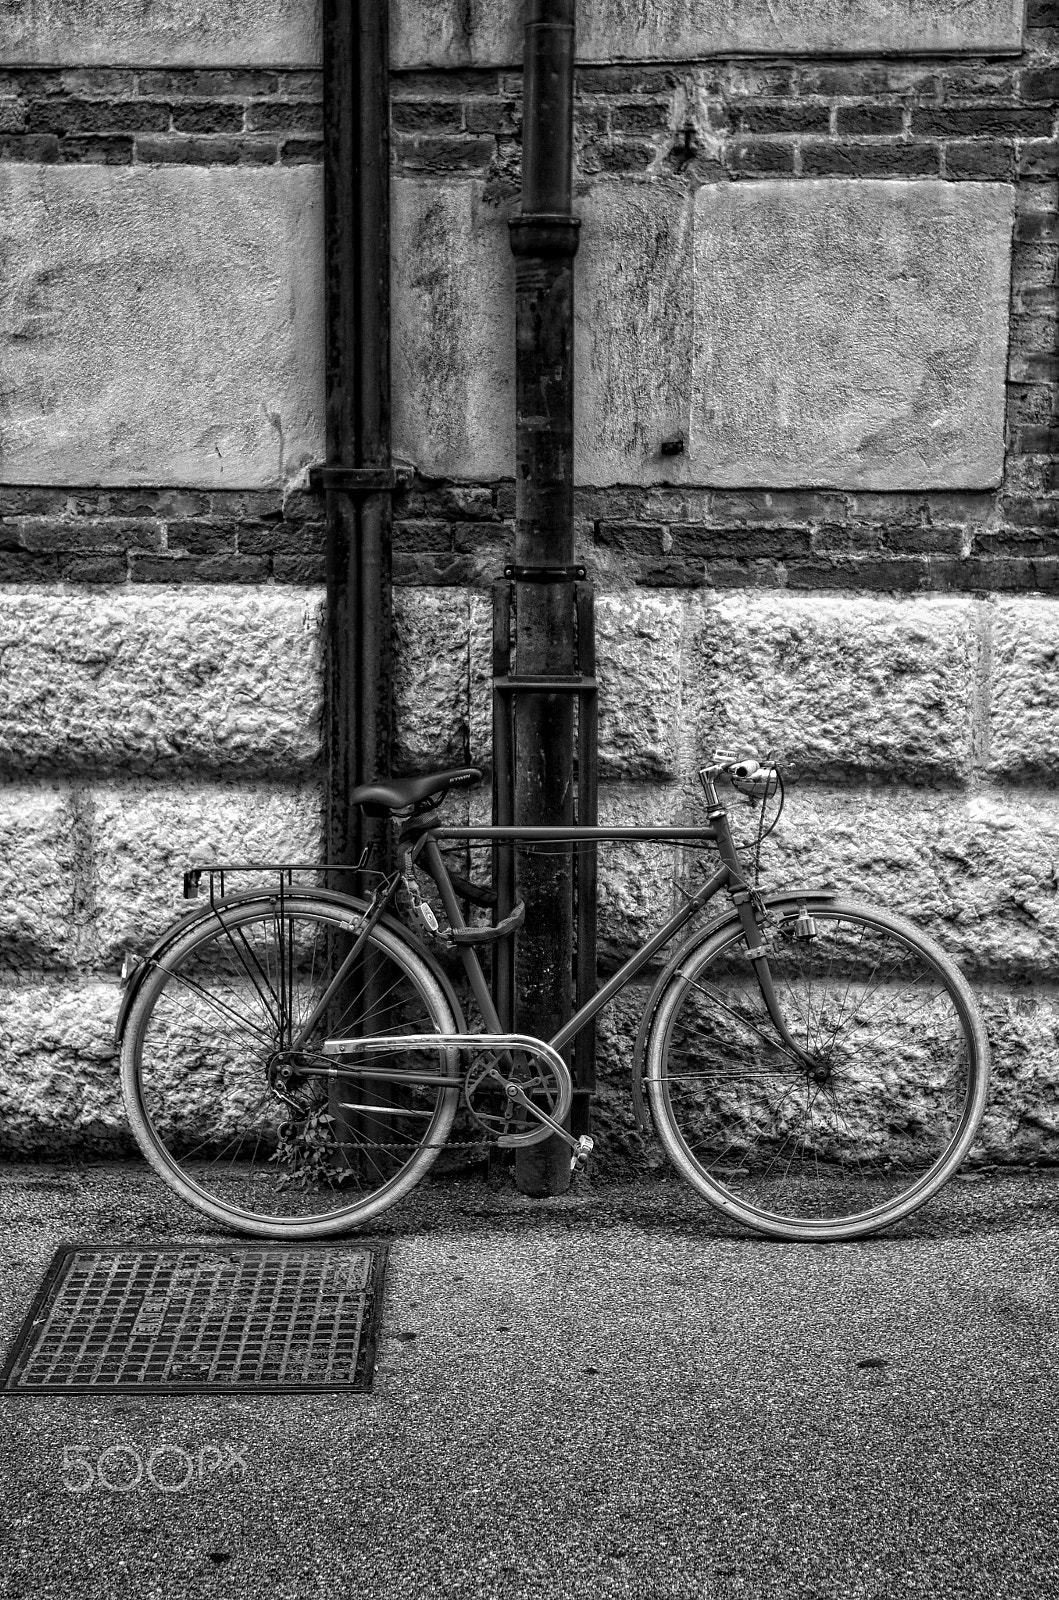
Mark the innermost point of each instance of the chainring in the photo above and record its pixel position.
(486, 1092)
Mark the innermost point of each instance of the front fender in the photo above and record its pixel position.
(204, 913)
(778, 897)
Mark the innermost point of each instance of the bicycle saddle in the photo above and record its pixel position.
(394, 794)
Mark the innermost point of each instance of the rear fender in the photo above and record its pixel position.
(779, 897)
(206, 913)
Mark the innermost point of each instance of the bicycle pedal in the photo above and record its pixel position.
(585, 1146)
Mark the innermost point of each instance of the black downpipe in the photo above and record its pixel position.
(357, 366)
(544, 242)
(357, 477)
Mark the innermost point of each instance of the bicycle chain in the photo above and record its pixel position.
(445, 1144)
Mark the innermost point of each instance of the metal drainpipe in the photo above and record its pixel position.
(358, 477)
(544, 241)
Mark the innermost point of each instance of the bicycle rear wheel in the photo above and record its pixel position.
(239, 1116)
(872, 1126)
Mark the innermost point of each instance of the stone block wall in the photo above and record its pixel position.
(919, 743)
(818, 416)
(141, 729)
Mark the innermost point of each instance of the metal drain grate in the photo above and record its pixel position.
(195, 1319)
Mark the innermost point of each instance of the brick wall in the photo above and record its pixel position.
(187, 115)
(958, 120)
(962, 121)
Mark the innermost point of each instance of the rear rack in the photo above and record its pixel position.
(217, 871)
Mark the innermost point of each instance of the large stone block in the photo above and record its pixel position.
(431, 678)
(146, 836)
(38, 884)
(166, 33)
(1021, 1121)
(161, 325)
(453, 333)
(638, 648)
(622, 1149)
(59, 1085)
(481, 680)
(836, 686)
(636, 892)
(454, 318)
(489, 32)
(157, 680)
(851, 334)
(979, 871)
(1024, 708)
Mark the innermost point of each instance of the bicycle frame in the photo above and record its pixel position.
(722, 878)
(422, 839)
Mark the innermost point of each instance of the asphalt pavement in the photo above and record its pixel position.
(613, 1393)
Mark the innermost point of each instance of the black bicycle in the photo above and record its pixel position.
(294, 1059)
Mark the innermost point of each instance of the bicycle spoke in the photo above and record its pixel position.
(853, 1136)
(227, 1013)
(775, 1044)
(235, 1119)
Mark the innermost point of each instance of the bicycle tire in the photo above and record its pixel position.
(878, 1123)
(207, 1028)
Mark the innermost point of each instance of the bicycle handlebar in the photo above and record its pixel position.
(746, 772)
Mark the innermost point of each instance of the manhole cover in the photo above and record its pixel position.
(193, 1319)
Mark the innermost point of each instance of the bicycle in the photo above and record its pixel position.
(293, 1059)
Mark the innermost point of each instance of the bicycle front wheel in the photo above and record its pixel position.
(231, 1101)
(867, 1128)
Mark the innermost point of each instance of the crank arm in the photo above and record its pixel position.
(582, 1147)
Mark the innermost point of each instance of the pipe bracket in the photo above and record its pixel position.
(544, 233)
(359, 480)
(547, 574)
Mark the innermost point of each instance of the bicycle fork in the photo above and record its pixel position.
(752, 915)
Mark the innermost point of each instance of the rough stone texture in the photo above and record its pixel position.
(37, 877)
(59, 1087)
(166, 33)
(1021, 1121)
(621, 1149)
(636, 892)
(489, 32)
(836, 686)
(442, 678)
(431, 678)
(1024, 709)
(160, 325)
(146, 836)
(160, 680)
(480, 719)
(978, 871)
(453, 287)
(851, 334)
(638, 650)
